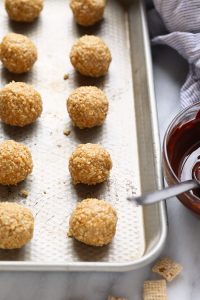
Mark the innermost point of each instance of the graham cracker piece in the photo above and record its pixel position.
(23, 193)
(67, 132)
(66, 76)
(167, 268)
(155, 290)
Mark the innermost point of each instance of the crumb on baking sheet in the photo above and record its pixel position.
(67, 132)
(23, 193)
(167, 268)
(69, 235)
(66, 76)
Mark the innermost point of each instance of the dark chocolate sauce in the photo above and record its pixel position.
(184, 150)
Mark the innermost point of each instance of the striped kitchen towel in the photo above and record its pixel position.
(176, 23)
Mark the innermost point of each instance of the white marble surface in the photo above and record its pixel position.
(183, 241)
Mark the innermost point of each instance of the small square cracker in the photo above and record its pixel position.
(115, 298)
(167, 268)
(155, 290)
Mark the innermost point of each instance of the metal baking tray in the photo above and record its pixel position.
(130, 133)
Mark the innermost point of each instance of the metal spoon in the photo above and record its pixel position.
(170, 191)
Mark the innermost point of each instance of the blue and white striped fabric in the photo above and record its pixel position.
(182, 19)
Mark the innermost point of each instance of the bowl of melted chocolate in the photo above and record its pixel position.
(181, 153)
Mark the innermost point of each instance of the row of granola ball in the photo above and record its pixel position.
(93, 221)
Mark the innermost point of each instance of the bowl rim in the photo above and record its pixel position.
(166, 136)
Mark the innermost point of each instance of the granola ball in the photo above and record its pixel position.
(93, 222)
(17, 53)
(20, 104)
(23, 10)
(90, 164)
(87, 106)
(15, 162)
(87, 12)
(90, 56)
(17, 225)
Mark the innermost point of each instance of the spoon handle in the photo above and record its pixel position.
(165, 193)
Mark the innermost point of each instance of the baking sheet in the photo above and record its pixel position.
(52, 196)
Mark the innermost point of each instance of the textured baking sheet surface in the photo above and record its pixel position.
(52, 196)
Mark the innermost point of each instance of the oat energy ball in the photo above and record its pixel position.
(87, 106)
(93, 222)
(17, 225)
(20, 104)
(90, 56)
(15, 162)
(17, 53)
(87, 12)
(23, 10)
(90, 164)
